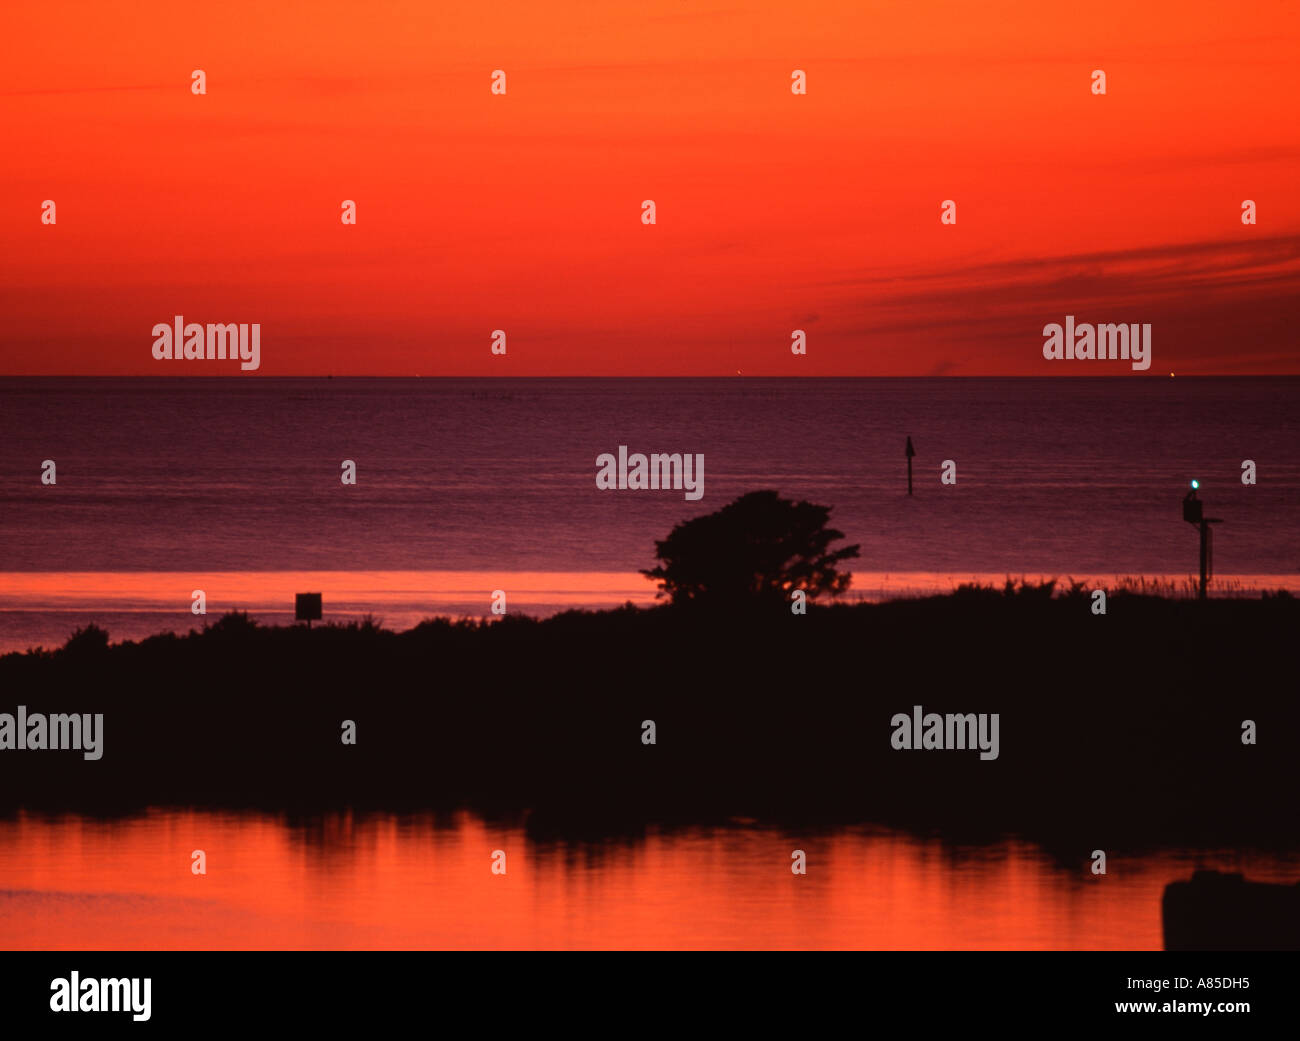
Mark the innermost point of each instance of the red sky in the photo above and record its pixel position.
(775, 212)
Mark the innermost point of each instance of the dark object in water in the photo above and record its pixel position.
(1221, 912)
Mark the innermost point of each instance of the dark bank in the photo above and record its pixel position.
(1122, 729)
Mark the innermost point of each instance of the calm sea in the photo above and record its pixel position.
(465, 486)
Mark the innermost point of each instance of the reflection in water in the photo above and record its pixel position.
(416, 882)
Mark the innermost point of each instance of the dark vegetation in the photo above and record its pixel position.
(1115, 729)
(756, 549)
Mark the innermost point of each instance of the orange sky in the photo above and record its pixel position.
(775, 212)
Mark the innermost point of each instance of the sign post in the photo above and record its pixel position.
(1194, 513)
(307, 607)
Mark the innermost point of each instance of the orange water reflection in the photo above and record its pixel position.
(387, 882)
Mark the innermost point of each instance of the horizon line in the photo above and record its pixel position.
(179, 377)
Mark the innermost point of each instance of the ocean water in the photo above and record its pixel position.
(465, 486)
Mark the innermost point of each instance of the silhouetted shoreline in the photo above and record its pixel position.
(1120, 729)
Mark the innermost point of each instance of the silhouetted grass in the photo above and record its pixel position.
(1117, 728)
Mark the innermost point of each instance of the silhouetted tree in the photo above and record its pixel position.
(758, 548)
(87, 641)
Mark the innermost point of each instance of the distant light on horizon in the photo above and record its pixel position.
(1195, 484)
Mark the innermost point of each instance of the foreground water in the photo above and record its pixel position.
(413, 882)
